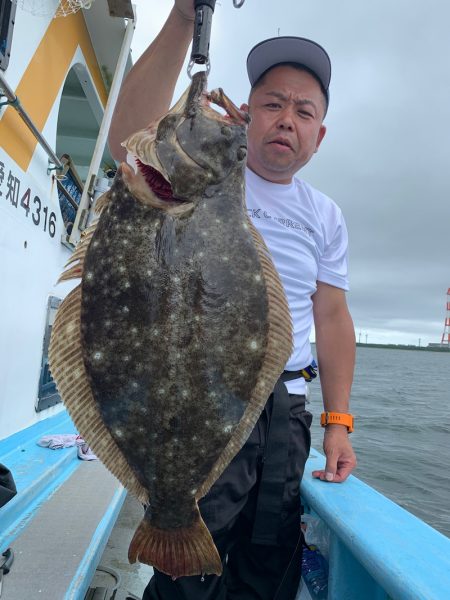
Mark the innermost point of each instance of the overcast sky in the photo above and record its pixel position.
(386, 156)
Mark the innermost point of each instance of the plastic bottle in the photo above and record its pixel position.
(315, 572)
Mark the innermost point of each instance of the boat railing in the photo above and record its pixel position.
(377, 550)
(13, 101)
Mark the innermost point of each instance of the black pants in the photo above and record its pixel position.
(250, 571)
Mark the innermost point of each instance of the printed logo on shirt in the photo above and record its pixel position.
(258, 213)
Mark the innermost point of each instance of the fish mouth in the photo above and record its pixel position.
(157, 182)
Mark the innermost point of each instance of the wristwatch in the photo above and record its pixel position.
(334, 418)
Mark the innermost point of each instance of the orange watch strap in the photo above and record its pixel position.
(334, 418)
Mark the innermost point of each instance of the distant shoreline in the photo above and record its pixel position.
(404, 347)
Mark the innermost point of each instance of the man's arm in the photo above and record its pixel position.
(148, 88)
(335, 344)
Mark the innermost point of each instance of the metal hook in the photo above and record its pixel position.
(238, 3)
(191, 66)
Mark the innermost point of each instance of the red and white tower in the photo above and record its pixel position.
(445, 340)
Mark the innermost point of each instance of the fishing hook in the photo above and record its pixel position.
(191, 66)
(238, 3)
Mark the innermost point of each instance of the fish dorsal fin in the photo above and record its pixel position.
(102, 202)
(280, 343)
(77, 258)
(68, 370)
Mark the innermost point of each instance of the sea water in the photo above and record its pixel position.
(401, 403)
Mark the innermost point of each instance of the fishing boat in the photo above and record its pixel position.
(59, 80)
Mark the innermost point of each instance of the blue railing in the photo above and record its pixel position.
(378, 550)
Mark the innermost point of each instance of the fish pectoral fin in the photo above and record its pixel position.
(177, 552)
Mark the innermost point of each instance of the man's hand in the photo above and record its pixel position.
(185, 8)
(341, 459)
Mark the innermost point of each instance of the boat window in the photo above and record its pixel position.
(48, 394)
(70, 189)
(7, 14)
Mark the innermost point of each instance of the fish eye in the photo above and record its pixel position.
(241, 153)
(226, 131)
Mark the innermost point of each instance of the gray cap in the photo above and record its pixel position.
(293, 49)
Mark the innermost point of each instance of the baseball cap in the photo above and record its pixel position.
(283, 49)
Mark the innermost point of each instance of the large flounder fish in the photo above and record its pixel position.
(167, 351)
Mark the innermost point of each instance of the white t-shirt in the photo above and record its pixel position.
(307, 237)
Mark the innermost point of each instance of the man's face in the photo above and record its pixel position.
(287, 110)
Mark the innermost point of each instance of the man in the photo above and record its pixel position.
(253, 510)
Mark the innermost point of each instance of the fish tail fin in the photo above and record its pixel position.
(177, 552)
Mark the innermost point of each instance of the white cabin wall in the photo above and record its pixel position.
(28, 32)
(28, 277)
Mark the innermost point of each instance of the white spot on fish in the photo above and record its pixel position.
(129, 228)
(257, 277)
(121, 269)
(125, 242)
(212, 394)
(225, 258)
(196, 318)
(218, 221)
(194, 438)
(135, 385)
(125, 309)
(143, 410)
(244, 225)
(137, 344)
(98, 355)
(108, 323)
(161, 391)
(134, 330)
(204, 233)
(227, 428)
(220, 349)
(141, 429)
(126, 284)
(126, 358)
(149, 272)
(89, 276)
(193, 491)
(241, 372)
(201, 254)
(207, 423)
(185, 393)
(119, 433)
(95, 244)
(155, 332)
(253, 345)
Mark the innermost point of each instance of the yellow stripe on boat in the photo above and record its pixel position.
(42, 81)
